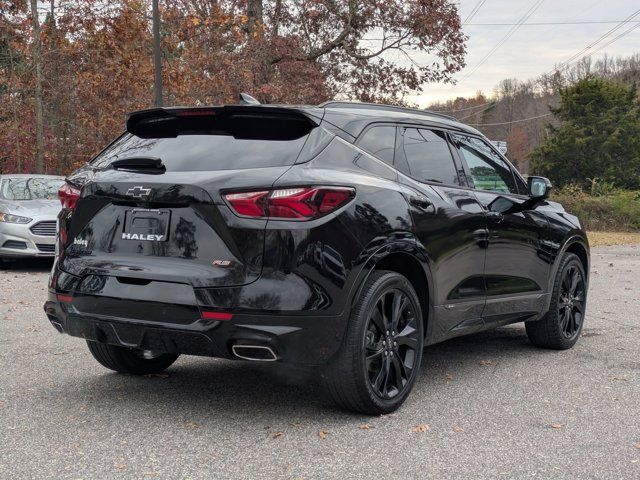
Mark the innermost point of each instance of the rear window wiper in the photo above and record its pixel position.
(139, 164)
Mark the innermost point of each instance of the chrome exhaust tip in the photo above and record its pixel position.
(255, 353)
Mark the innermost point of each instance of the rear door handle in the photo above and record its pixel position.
(421, 202)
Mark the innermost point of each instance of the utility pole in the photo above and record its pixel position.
(37, 60)
(157, 58)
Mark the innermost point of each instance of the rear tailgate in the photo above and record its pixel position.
(161, 217)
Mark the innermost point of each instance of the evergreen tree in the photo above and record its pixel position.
(598, 137)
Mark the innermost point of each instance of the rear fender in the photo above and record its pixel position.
(375, 254)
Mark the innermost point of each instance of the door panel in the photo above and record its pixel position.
(515, 261)
(450, 225)
(516, 267)
(453, 234)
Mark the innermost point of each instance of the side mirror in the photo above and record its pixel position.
(539, 187)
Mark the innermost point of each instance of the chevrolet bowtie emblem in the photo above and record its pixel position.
(138, 192)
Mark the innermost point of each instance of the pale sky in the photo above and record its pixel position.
(533, 49)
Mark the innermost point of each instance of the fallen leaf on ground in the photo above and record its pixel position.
(422, 428)
(557, 425)
(297, 425)
(121, 466)
(366, 426)
(638, 446)
(458, 429)
(449, 376)
(323, 433)
(157, 375)
(193, 425)
(621, 378)
(487, 362)
(277, 434)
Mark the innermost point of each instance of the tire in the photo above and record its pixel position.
(560, 327)
(127, 360)
(352, 380)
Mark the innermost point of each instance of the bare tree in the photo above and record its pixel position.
(37, 60)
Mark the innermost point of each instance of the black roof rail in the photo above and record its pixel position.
(379, 106)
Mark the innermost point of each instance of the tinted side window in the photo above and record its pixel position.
(428, 155)
(380, 142)
(488, 171)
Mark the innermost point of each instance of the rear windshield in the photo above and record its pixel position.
(33, 188)
(211, 144)
(204, 152)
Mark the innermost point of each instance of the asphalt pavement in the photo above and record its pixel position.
(485, 406)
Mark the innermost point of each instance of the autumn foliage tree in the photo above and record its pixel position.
(96, 61)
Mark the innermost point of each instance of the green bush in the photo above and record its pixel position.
(615, 210)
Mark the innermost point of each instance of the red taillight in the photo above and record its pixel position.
(250, 204)
(301, 203)
(68, 196)
(64, 298)
(208, 315)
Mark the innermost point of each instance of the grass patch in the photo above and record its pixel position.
(598, 239)
(618, 210)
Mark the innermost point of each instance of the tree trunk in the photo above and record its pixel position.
(37, 60)
(157, 57)
(14, 104)
(254, 14)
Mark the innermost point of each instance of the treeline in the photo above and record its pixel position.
(71, 69)
(500, 115)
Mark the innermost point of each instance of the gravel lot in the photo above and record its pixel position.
(495, 406)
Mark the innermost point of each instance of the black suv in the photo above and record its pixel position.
(344, 236)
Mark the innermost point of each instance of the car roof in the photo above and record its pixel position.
(354, 117)
(351, 117)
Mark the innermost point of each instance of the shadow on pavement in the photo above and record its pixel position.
(26, 264)
(222, 387)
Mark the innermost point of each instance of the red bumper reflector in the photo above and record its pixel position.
(217, 315)
(64, 298)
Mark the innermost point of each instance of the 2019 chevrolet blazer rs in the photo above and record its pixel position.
(344, 236)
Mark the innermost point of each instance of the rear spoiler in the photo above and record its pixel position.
(232, 119)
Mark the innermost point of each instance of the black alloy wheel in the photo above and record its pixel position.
(379, 360)
(560, 327)
(571, 306)
(390, 341)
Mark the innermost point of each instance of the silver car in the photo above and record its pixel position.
(29, 208)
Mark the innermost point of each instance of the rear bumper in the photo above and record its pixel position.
(297, 339)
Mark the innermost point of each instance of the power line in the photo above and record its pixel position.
(474, 12)
(615, 39)
(623, 34)
(536, 4)
(595, 42)
(509, 123)
(493, 104)
(466, 108)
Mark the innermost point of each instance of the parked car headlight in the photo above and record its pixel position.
(8, 218)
